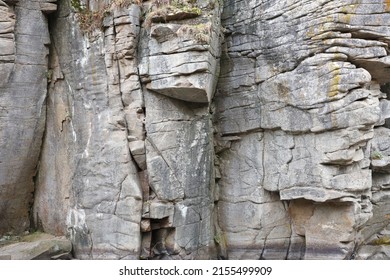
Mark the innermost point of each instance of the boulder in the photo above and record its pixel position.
(37, 246)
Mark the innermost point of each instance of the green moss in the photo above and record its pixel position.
(188, 6)
(193, 10)
(34, 236)
(376, 155)
(76, 5)
(49, 75)
(220, 238)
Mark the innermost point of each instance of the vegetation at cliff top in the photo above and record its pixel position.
(90, 20)
(165, 10)
(159, 11)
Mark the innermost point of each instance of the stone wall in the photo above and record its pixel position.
(24, 41)
(197, 129)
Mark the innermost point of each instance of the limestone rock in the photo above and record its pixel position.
(376, 247)
(48, 7)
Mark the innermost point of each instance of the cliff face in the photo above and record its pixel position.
(197, 129)
(24, 38)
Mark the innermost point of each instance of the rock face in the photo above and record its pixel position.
(301, 84)
(197, 129)
(24, 41)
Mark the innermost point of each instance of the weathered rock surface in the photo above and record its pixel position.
(38, 246)
(183, 58)
(196, 129)
(305, 79)
(97, 186)
(24, 41)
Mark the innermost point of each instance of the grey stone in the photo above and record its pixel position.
(137, 149)
(37, 246)
(183, 58)
(370, 252)
(48, 8)
(182, 76)
(86, 153)
(380, 150)
(251, 131)
(23, 89)
(158, 210)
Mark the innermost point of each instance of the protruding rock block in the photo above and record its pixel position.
(48, 7)
(183, 59)
(159, 210)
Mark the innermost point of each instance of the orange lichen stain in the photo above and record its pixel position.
(345, 18)
(334, 82)
(310, 33)
(322, 25)
(347, 12)
(387, 2)
(385, 240)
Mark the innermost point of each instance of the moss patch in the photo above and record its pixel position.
(376, 155)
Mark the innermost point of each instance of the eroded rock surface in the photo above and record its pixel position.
(300, 79)
(24, 41)
(37, 246)
(197, 129)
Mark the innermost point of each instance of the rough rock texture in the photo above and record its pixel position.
(197, 129)
(98, 160)
(24, 40)
(37, 246)
(302, 80)
(88, 168)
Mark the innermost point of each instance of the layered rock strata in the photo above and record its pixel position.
(301, 85)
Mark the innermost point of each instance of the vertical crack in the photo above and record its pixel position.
(263, 249)
(119, 194)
